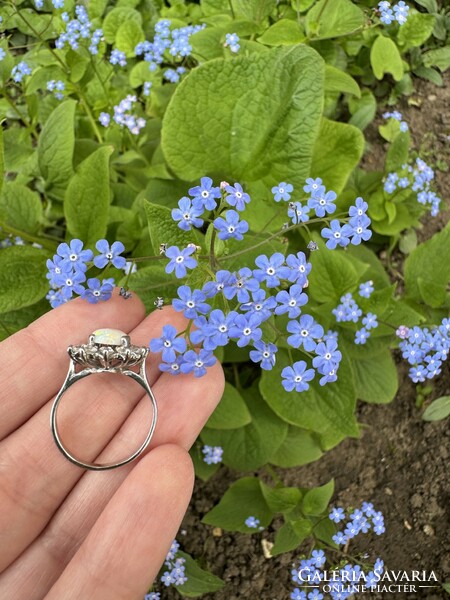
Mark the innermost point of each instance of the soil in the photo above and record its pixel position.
(400, 463)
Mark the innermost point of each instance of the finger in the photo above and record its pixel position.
(185, 405)
(127, 545)
(36, 477)
(33, 362)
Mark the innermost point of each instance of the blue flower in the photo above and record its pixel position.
(361, 336)
(315, 595)
(146, 88)
(187, 214)
(360, 231)
(337, 234)
(246, 329)
(190, 303)
(152, 596)
(366, 289)
(319, 558)
(298, 213)
(212, 454)
(305, 331)
(70, 283)
(359, 209)
(348, 310)
(401, 10)
(299, 268)
(337, 514)
(104, 119)
(109, 254)
(168, 344)
(282, 191)
(74, 255)
(252, 522)
(297, 377)
(240, 284)
(56, 298)
(314, 186)
(212, 288)
(271, 270)
(231, 226)
(214, 331)
(19, 71)
(260, 305)
(291, 301)
(118, 58)
(197, 363)
(180, 260)
(322, 202)
(265, 354)
(2, 54)
(232, 40)
(56, 267)
(206, 193)
(298, 595)
(328, 356)
(370, 321)
(97, 291)
(236, 196)
(339, 538)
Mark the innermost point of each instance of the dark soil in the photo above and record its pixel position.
(400, 463)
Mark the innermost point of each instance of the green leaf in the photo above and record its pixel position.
(254, 10)
(231, 412)
(243, 499)
(249, 447)
(152, 281)
(446, 587)
(290, 535)
(13, 321)
(282, 33)
(128, 36)
(22, 277)
(319, 407)
(439, 409)
(55, 146)
(363, 110)
(300, 447)
(237, 136)
(2, 159)
(440, 58)
(337, 150)
(385, 58)
(199, 581)
(87, 198)
(21, 206)
(116, 18)
(398, 152)
(415, 31)
(333, 274)
(425, 264)
(333, 19)
(315, 501)
(376, 378)
(164, 230)
(340, 81)
(281, 499)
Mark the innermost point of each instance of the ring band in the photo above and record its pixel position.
(108, 350)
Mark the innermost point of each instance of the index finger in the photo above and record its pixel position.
(39, 345)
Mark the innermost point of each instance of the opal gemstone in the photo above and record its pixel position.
(111, 337)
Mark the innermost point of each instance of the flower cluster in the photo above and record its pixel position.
(167, 44)
(67, 271)
(118, 58)
(19, 71)
(359, 521)
(123, 117)
(354, 232)
(79, 29)
(425, 349)
(397, 116)
(232, 42)
(418, 178)
(39, 4)
(398, 12)
(212, 454)
(175, 575)
(349, 311)
(174, 75)
(57, 87)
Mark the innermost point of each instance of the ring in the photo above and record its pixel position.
(108, 350)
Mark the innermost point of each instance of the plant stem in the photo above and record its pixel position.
(28, 236)
(270, 471)
(237, 379)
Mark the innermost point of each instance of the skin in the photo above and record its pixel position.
(66, 533)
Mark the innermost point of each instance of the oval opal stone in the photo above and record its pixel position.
(111, 337)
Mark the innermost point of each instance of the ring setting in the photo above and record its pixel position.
(108, 350)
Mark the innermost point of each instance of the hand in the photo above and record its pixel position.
(66, 533)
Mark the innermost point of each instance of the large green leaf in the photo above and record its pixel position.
(337, 80)
(231, 412)
(337, 151)
(247, 118)
(20, 207)
(439, 409)
(376, 378)
(249, 447)
(116, 18)
(284, 32)
(332, 19)
(254, 10)
(55, 146)
(317, 409)
(22, 277)
(290, 535)
(415, 31)
(243, 499)
(300, 447)
(385, 58)
(315, 501)
(2, 159)
(199, 581)
(426, 273)
(87, 197)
